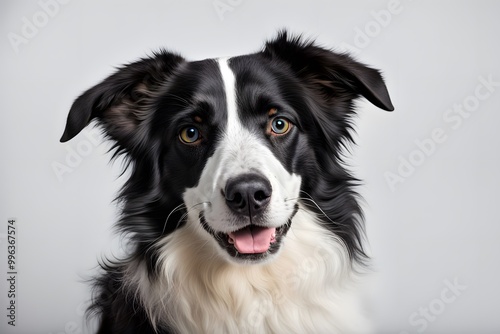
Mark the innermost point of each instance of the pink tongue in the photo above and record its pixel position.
(253, 240)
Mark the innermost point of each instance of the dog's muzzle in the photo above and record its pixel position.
(248, 198)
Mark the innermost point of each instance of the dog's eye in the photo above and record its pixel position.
(280, 126)
(189, 135)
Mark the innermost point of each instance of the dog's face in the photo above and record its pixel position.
(230, 145)
(249, 186)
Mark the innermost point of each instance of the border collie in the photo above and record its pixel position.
(240, 212)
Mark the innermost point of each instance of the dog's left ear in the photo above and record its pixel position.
(328, 71)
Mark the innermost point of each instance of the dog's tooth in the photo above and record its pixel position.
(230, 240)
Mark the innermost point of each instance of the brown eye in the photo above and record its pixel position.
(280, 126)
(189, 135)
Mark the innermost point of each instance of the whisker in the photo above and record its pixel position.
(181, 219)
(214, 233)
(177, 208)
(308, 201)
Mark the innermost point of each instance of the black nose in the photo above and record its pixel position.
(248, 194)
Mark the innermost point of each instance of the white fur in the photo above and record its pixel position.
(304, 288)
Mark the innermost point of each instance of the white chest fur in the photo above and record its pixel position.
(306, 289)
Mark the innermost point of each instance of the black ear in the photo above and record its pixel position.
(119, 102)
(328, 70)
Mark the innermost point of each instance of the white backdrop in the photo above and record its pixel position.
(430, 168)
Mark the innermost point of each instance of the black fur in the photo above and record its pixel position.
(144, 104)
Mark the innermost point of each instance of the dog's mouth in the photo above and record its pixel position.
(251, 243)
(252, 239)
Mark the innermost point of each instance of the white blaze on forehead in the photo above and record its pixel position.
(239, 150)
(229, 81)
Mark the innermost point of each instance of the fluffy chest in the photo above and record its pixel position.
(303, 290)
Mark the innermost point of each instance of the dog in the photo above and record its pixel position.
(240, 212)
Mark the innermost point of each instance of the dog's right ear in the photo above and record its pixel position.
(119, 102)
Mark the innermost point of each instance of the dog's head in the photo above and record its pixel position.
(234, 145)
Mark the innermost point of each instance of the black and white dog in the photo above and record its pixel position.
(241, 215)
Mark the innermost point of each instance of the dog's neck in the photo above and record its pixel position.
(197, 285)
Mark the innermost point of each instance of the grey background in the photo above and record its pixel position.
(440, 225)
